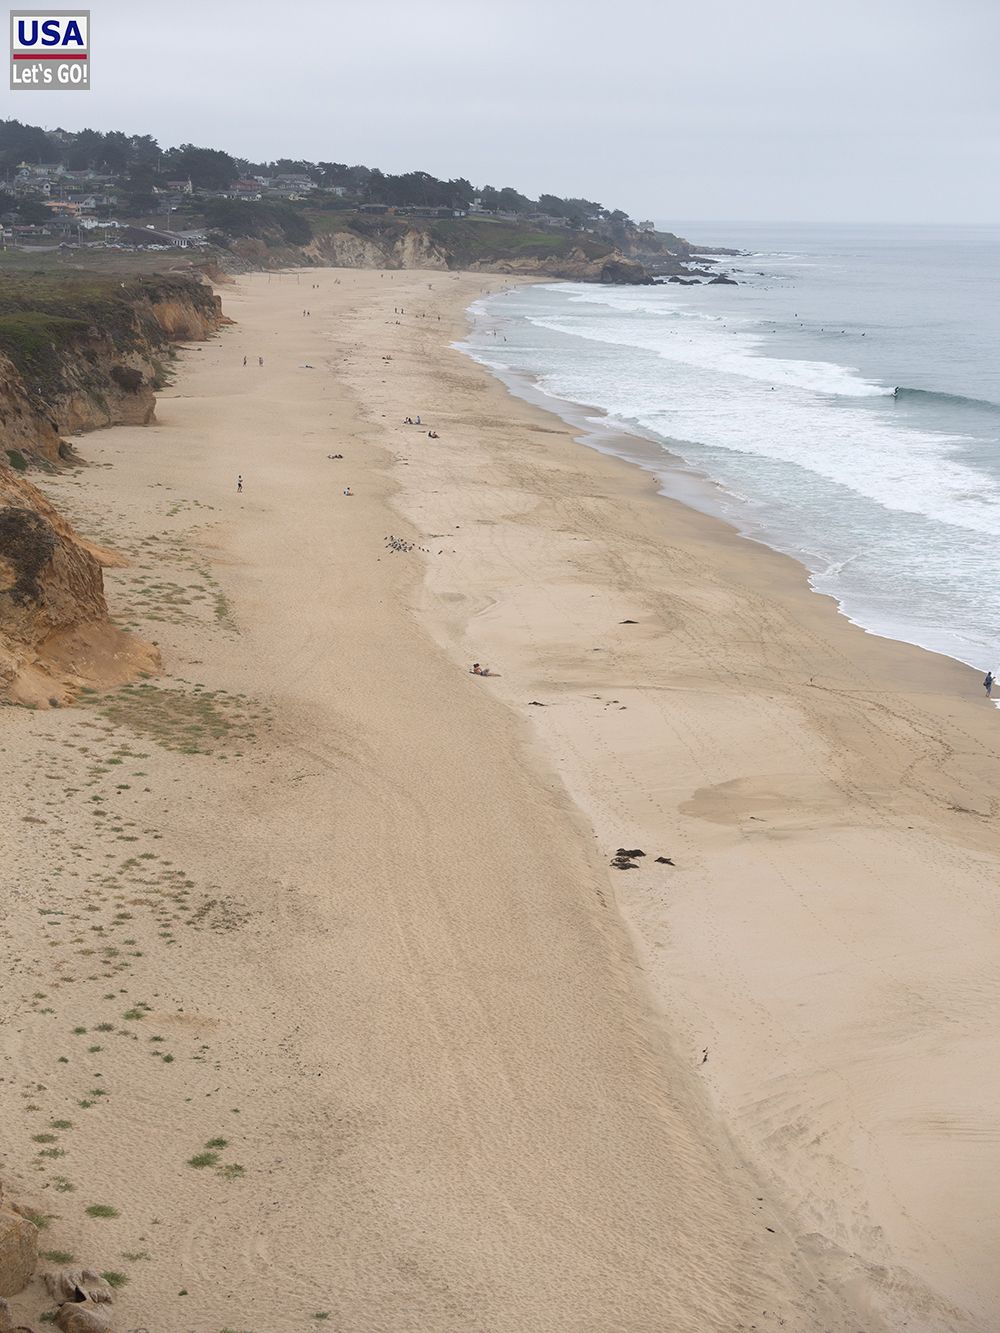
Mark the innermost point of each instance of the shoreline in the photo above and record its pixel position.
(854, 673)
(683, 482)
(457, 1057)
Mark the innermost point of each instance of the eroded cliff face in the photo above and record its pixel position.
(74, 357)
(414, 249)
(55, 636)
(400, 245)
(98, 368)
(612, 268)
(25, 428)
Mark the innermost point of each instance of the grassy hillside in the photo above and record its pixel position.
(486, 239)
(33, 340)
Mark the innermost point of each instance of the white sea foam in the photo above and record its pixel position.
(722, 393)
(887, 506)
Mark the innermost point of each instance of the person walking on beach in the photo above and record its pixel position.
(260, 361)
(988, 684)
(239, 485)
(244, 360)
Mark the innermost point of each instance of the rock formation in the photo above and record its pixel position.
(76, 1285)
(18, 1252)
(76, 356)
(401, 244)
(85, 1317)
(55, 636)
(76, 352)
(621, 271)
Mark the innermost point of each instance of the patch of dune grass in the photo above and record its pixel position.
(102, 1210)
(193, 721)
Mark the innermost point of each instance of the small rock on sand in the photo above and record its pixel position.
(85, 1317)
(77, 1284)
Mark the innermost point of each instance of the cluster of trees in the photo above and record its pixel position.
(22, 143)
(115, 154)
(28, 211)
(419, 189)
(139, 164)
(257, 217)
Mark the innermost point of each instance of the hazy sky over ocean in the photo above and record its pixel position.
(813, 110)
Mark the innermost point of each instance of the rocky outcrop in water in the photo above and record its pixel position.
(624, 272)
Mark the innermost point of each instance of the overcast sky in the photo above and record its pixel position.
(810, 110)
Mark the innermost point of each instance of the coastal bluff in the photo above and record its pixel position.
(468, 244)
(80, 351)
(77, 353)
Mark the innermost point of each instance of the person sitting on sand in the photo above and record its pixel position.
(348, 491)
(407, 421)
(432, 435)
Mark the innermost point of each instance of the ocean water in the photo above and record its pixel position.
(779, 392)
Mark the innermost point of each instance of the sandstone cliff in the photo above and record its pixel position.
(444, 246)
(469, 245)
(76, 353)
(55, 636)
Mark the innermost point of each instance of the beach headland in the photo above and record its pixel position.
(435, 1063)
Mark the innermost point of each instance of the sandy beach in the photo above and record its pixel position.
(320, 984)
